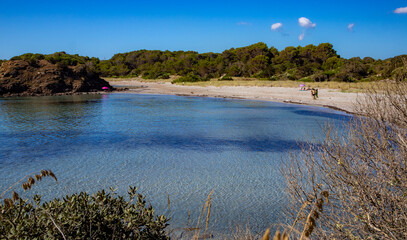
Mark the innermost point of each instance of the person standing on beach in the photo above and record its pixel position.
(314, 93)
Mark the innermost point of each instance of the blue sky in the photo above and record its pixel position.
(103, 28)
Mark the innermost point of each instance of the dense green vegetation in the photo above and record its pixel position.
(81, 216)
(310, 63)
(62, 59)
(190, 77)
(59, 57)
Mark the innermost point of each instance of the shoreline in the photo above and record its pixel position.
(328, 98)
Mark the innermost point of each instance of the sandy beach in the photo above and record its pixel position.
(327, 97)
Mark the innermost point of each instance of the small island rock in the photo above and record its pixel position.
(41, 77)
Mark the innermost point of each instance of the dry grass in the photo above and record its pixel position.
(30, 181)
(206, 208)
(244, 233)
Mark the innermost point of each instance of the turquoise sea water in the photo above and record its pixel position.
(166, 145)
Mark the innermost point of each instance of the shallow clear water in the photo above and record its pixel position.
(166, 145)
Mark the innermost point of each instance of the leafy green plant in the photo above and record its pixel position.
(156, 75)
(103, 215)
(306, 79)
(190, 77)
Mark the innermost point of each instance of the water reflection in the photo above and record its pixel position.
(48, 113)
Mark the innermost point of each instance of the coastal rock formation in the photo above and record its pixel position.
(41, 77)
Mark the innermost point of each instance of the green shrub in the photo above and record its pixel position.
(306, 79)
(81, 216)
(156, 75)
(190, 78)
(320, 77)
(164, 76)
(226, 78)
(343, 77)
(399, 74)
(29, 56)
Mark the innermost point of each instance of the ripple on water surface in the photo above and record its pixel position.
(180, 146)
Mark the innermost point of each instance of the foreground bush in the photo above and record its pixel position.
(354, 185)
(81, 216)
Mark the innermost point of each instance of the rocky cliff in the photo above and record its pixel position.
(41, 77)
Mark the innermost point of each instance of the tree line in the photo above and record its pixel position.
(308, 64)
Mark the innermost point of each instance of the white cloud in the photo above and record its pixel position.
(350, 27)
(306, 23)
(276, 26)
(401, 10)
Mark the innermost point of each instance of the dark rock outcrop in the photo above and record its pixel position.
(40, 77)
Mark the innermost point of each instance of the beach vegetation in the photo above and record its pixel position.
(359, 173)
(191, 77)
(103, 215)
(155, 75)
(226, 77)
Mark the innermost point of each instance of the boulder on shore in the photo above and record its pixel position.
(41, 77)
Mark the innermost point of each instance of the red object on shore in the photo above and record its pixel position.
(105, 88)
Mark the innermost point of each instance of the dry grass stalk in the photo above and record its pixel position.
(206, 207)
(243, 233)
(169, 211)
(266, 235)
(30, 181)
(207, 217)
(188, 228)
(15, 196)
(305, 204)
(279, 236)
(310, 223)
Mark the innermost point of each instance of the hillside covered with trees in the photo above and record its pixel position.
(309, 63)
